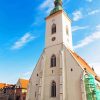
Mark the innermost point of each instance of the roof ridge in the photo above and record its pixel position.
(83, 64)
(83, 60)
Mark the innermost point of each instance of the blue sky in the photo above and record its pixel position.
(22, 34)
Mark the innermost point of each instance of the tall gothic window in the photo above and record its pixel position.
(53, 89)
(53, 61)
(53, 28)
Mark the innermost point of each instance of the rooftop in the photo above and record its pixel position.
(24, 83)
(84, 65)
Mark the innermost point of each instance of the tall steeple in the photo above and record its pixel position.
(58, 3)
(58, 6)
(58, 27)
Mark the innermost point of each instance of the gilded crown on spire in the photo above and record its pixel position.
(58, 3)
(58, 6)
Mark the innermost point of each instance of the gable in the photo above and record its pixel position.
(84, 64)
(22, 83)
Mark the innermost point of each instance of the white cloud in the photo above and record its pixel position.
(26, 75)
(76, 28)
(98, 27)
(89, 0)
(77, 15)
(48, 5)
(94, 12)
(94, 36)
(23, 41)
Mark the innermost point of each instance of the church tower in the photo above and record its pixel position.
(58, 37)
(58, 27)
(59, 73)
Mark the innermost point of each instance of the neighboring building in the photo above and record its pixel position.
(14, 92)
(21, 89)
(60, 73)
(7, 91)
(2, 85)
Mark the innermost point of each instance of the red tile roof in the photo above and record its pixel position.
(24, 83)
(84, 65)
(2, 85)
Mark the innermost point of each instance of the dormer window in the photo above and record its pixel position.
(53, 28)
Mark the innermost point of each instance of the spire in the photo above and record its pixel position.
(58, 3)
(58, 6)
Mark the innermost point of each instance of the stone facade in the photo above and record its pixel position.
(67, 72)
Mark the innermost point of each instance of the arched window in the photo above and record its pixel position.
(53, 89)
(53, 61)
(53, 28)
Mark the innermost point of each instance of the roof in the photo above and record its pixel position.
(84, 65)
(2, 85)
(58, 6)
(56, 9)
(24, 83)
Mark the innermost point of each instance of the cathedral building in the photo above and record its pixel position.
(60, 73)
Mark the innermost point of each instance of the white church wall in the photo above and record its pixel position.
(57, 19)
(34, 87)
(73, 78)
(66, 74)
(67, 34)
(52, 74)
(63, 30)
